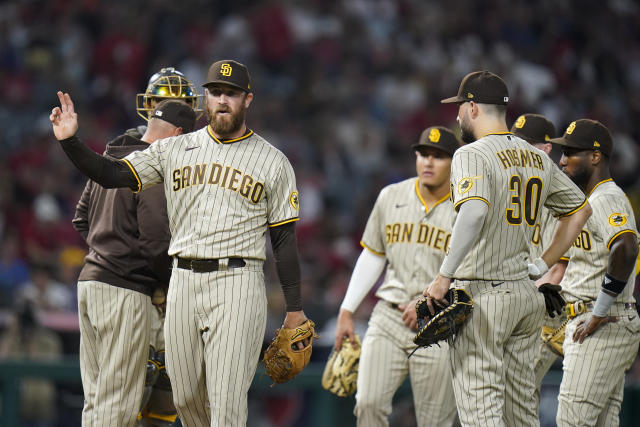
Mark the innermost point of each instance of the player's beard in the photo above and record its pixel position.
(466, 133)
(580, 176)
(224, 126)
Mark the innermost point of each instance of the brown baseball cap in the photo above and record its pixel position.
(177, 113)
(534, 128)
(482, 87)
(229, 72)
(588, 135)
(438, 137)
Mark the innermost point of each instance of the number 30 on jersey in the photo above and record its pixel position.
(524, 200)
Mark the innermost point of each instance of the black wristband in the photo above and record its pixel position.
(612, 284)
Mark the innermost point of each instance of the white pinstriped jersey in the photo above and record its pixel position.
(542, 232)
(230, 190)
(515, 180)
(589, 254)
(412, 237)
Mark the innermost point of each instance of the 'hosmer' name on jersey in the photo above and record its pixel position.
(589, 254)
(412, 237)
(228, 187)
(515, 180)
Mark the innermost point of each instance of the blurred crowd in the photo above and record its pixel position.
(342, 87)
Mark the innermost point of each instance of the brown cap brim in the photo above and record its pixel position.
(566, 143)
(439, 147)
(453, 100)
(222, 82)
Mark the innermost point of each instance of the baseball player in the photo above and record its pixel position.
(603, 332)
(409, 227)
(538, 130)
(128, 238)
(224, 185)
(498, 184)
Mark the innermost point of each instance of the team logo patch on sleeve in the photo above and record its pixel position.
(294, 201)
(617, 219)
(466, 184)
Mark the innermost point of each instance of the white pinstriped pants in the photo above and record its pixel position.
(384, 366)
(115, 328)
(593, 372)
(214, 328)
(492, 357)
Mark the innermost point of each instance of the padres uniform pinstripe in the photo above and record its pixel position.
(225, 186)
(414, 239)
(498, 184)
(409, 227)
(540, 239)
(538, 131)
(499, 344)
(593, 379)
(232, 188)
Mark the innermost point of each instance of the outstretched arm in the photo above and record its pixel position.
(107, 172)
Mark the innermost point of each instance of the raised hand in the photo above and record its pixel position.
(63, 118)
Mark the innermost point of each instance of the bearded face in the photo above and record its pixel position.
(226, 119)
(465, 127)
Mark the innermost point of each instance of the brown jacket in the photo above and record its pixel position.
(127, 233)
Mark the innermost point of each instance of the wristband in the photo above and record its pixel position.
(612, 284)
(603, 304)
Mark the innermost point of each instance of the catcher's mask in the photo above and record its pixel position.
(168, 83)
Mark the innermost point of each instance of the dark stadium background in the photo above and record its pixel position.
(342, 87)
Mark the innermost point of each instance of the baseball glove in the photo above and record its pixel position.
(281, 360)
(340, 375)
(446, 322)
(554, 338)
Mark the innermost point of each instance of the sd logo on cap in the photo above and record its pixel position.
(229, 72)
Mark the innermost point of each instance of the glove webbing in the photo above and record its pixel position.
(450, 322)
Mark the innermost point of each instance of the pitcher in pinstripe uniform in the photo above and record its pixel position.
(409, 227)
(225, 186)
(498, 184)
(603, 333)
(538, 131)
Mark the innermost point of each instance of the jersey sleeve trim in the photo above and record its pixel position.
(457, 205)
(616, 235)
(286, 221)
(564, 258)
(134, 174)
(373, 251)
(582, 205)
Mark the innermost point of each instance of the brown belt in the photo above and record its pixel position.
(209, 265)
(574, 309)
